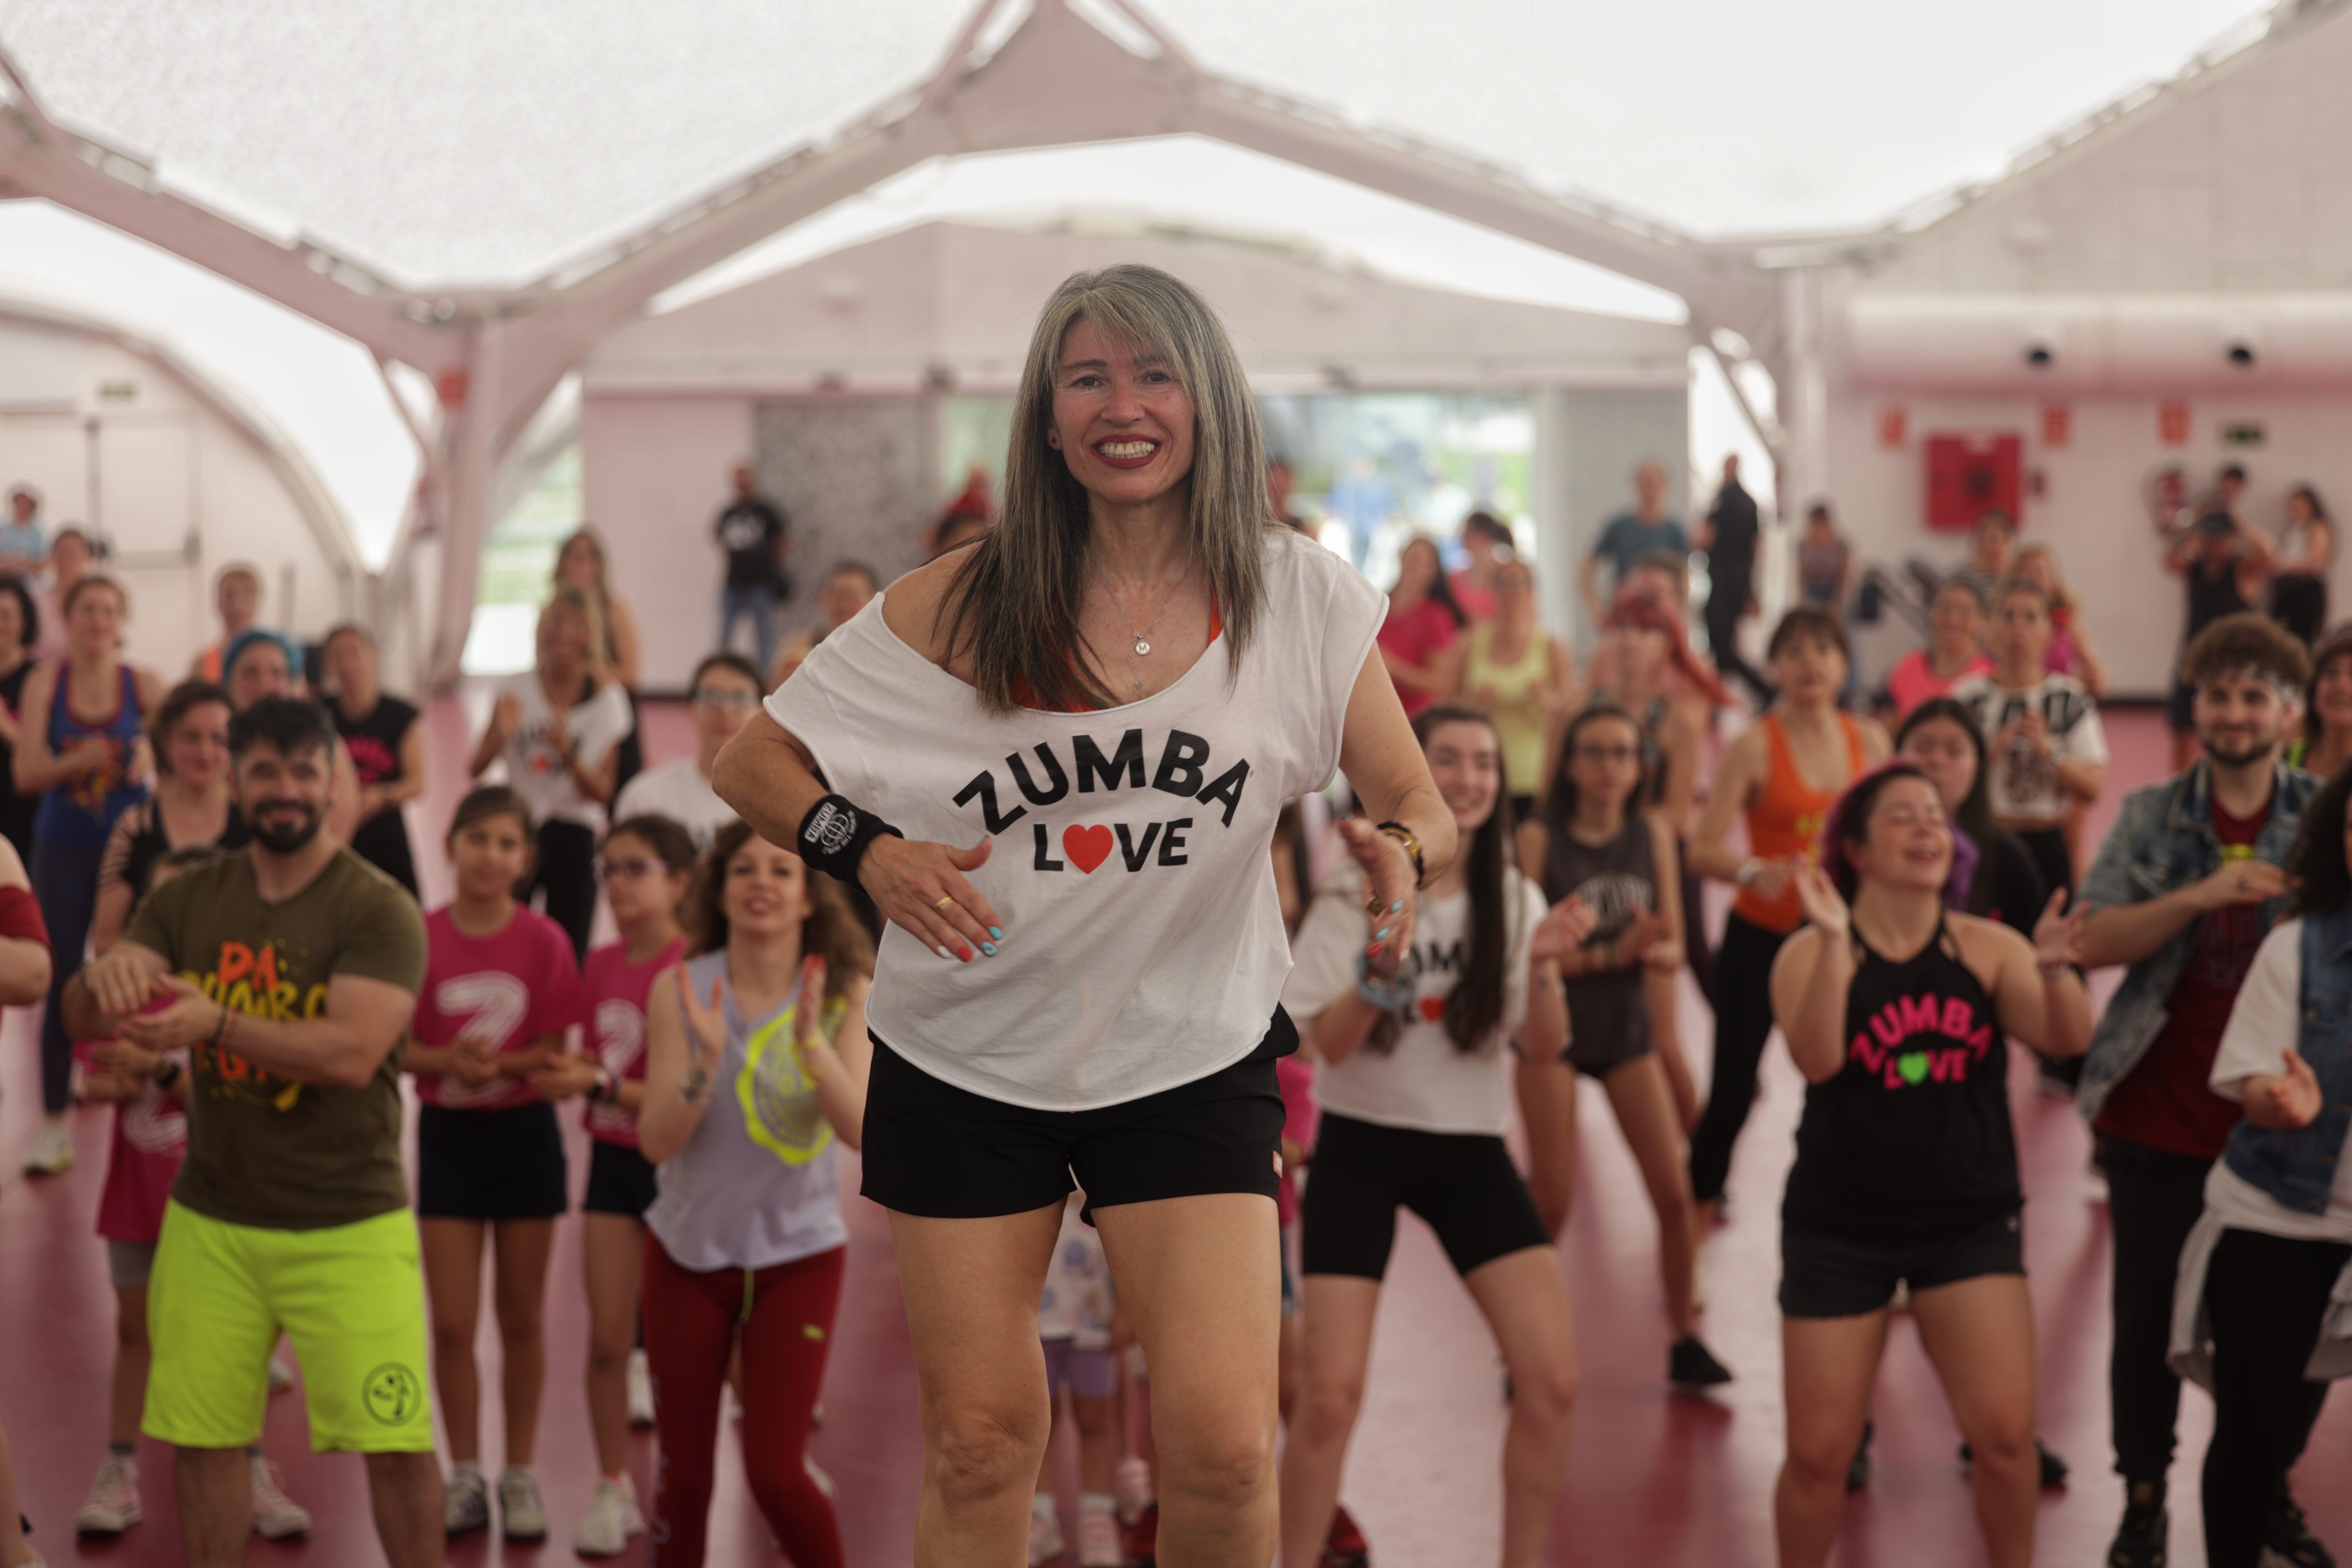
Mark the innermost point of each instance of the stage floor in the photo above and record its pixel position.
(1656, 1479)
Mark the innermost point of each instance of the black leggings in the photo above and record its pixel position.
(1743, 1021)
(2266, 1297)
(566, 872)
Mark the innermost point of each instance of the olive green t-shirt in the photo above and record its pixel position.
(264, 1151)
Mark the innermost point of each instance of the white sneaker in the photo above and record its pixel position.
(281, 1376)
(51, 1151)
(613, 1517)
(112, 1506)
(640, 1391)
(1045, 1542)
(467, 1505)
(276, 1516)
(522, 1516)
(1133, 1488)
(1098, 1543)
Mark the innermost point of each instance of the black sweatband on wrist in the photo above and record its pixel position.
(835, 834)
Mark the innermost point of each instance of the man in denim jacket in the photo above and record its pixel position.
(2184, 888)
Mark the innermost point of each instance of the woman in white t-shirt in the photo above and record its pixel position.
(2259, 1316)
(723, 695)
(1108, 698)
(2048, 749)
(1415, 1090)
(557, 728)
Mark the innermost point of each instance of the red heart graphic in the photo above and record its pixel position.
(1432, 1007)
(1089, 847)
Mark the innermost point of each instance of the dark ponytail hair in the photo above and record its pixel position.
(1474, 1010)
(2315, 866)
(1849, 827)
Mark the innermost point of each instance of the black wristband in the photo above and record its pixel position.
(835, 834)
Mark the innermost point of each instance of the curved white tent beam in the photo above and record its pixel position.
(1059, 80)
(329, 526)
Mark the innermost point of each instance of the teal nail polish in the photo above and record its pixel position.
(1397, 907)
(989, 948)
(1382, 935)
(996, 933)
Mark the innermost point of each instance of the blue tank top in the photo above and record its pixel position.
(81, 812)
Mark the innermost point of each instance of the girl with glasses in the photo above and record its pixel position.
(1593, 843)
(646, 868)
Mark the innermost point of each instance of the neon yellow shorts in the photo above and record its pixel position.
(351, 1297)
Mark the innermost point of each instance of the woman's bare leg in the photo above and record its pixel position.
(1526, 1302)
(972, 1287)
(613, 1264)
(1639, 1094)
(1829, 1366)
(1979, 1334)
(522, 1247)
(1335, 1349)
(452, 1250)
(1201, 1279)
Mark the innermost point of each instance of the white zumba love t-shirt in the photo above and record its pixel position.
(1424, 1083)
(1144, 946)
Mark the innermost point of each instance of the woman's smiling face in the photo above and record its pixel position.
(1120, 418)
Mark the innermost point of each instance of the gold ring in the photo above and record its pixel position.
(945, 900)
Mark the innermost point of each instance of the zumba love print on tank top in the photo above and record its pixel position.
(1127, 848)
(1911, 1141)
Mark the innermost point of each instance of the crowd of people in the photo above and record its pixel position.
(1174, 1202)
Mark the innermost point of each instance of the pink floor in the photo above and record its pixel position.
(1655, 1479)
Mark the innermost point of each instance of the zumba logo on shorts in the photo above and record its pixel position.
(392, 1394)
(779, 1095)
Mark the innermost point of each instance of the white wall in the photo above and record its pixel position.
(655, 473)
(181, 490)
(2091, 509)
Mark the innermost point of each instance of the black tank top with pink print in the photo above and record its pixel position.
(1911, 1142)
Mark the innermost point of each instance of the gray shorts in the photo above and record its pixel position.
(129, 1262)
(1089, 1374)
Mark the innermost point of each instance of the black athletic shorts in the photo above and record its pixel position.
(1463, 1184)
(1824, 1275)
(620, 1181)
(489, 1164)
(934, 1150)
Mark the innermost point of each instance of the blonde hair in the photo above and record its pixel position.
(1014, 605)
(567, 598)
(2061, 597)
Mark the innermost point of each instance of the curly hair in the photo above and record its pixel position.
(2247, 640)
(830, 930)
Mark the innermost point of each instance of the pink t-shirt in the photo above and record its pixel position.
(1415, 636)
(507, 989)
(151, 1136)
(613, 1011)
(1476, 602)
(1913, 680)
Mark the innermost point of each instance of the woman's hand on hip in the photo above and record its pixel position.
(921, 886)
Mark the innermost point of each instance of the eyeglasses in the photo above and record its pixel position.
(627, 870)
(730, 699)
(1606, 753)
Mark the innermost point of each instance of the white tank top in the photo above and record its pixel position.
(1144, 945)
(759, 1184)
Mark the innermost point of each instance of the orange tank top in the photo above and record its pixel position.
(1786, 818)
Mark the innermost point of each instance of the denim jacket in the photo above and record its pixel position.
(2163, 839)
(2298, 1168)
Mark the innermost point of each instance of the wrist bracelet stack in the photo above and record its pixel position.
(1412, 844)
(1384, 995)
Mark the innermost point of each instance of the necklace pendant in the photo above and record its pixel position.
(1142, 647)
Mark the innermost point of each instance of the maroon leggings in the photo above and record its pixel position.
(786, 1317)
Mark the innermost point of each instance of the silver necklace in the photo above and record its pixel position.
(1143, 638)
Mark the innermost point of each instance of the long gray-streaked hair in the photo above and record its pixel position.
(1014, 605)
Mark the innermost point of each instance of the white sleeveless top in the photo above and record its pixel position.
(759, 1184)
(1144, 946)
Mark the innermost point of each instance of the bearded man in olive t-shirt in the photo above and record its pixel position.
(288, 971)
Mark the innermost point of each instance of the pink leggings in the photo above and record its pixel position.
(785, 1318)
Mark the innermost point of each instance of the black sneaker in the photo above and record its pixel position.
(2144, 1537)
(1691, 1365)
(2287, 1536)
(1857, 1473)
(2054, 1470)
